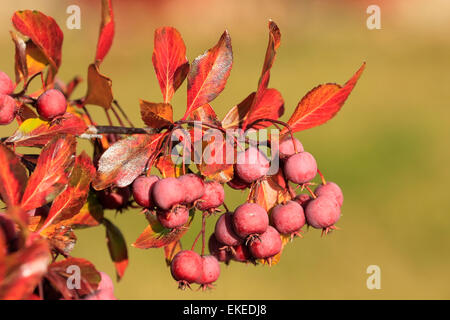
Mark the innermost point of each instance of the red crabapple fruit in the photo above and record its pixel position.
(115, 198)
(51, 103)
(186, 267)
(268, 245)
(213, 197)
(218, 250)
(288, 218)
(224, 230)
(174, 218)
(303, 200)
(194, 187)
(242, 254)
(142, 190)
(210, 272)
(6, 84)
(105, 289)
(250, 219)
(286, 147)
(167, 192)
(251, 165)
(330, 189)
(322, 213)
(237, 184)
(7, 109)
(300, 168)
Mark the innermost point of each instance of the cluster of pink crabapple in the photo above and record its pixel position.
(49, 105)
(247, 234)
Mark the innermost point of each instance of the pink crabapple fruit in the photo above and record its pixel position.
(51, 103)
(210, 271)
(218, 250)
(268, 245)
(250, 220)
(287, 149)
(303, 199)
(237, 183)
(224, 230)
(167, 193)
(174, 218)
(322, 213)
(288, 218)
(186, 267)
(194, 187)
(142, 190)
(330, 189)
(300, 168)
(251, 165)
(8, 109)
(105, 289)
(6, 85)
(213, 197)
(115, 198)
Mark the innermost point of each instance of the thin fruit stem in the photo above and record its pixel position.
(321, 177)
(196, 239)
(311, 192)
(118, 130)
(25, 87)
(203, 232)
(116, 103)
(117, 116)
(108, 117)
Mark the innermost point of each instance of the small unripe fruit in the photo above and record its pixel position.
(287, 149)
(288, 218)
(217, 249)
(51, 104)
(167, 192)
(194, 187)
(268, 245)
(142, 188)
(332, 190)
(250, 219)
(114, 198)
(251, 165)
(213, 197)
(300, 168)
(303, 200)
(174, 218)
(211, 270)
(322, 212)
(6, 84)
(224, 230)
(187, 266)
(7, 109)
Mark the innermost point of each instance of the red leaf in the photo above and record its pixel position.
(69, 202)
(59, 272)
(217, 159)
(90, 215)
(117, 247)
(171, 250)
(43, 31)
(106, 36)
(274, 43)
(51, 174)
(268, 193)
(156, 236)
(125, 160)
(23, 270)
(169, 60)
(13, 177)
(208, 74)
(321, 104)
(99, 90)
(36, 132)
(156, 115)
(205, 114)
(168, 168)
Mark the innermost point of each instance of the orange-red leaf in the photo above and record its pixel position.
(125, 160)
(205, 114)
(99, 91)
(106, 36)
(268, 193)
(43, 31)
(169, 60)
(208, 74)
(51, 174)
(156, 236)
(321, 104)
(117, 247)
(69, 202)
(156, 115)
(13, 177)
(59, 272)
(23, 270)
(35, 132)
(171, 250)
(90, 215)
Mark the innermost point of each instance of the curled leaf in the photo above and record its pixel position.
(106, 35)
(156, 115)
(99, 90)
(117, 247)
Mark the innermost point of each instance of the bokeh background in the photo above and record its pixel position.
(388, 147)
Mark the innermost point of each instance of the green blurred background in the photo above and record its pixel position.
(387, 148)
